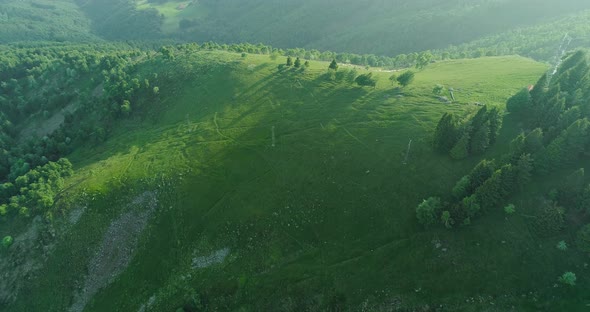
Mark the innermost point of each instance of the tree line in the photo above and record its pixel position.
(556, 113)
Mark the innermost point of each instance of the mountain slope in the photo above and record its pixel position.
(43, 20)
(329, 208)
(374, 26)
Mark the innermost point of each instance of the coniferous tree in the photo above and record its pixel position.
(462, 187)
(297, 63)
(583, 201)
(508, 179)
(538, 91)
(483, 171)
(479, 118)
(446, 133)
(519, 102)
(517, 146)
(289, 61)
(333, 65)
(491, 192)
(571, 189)
(471, 205)
(406, 78)
(366, 80)
(568, 117)
(551, 111)
(523, 170)
(461, 149)
(481, 139)
(495, 123)
(534, 141)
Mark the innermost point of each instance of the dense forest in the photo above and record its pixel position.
(60, 20)
(377, 27)
(454, 29)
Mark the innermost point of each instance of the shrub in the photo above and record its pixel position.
(7, 241)
(447, 220)
(460, 189)
(550, 221)
(438, 89)
(426, 212)
(510, 209)
(568, 278)
(471, 205)
(366, 80)
(406, 78)
(561, 245)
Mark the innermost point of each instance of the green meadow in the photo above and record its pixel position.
(323, 218)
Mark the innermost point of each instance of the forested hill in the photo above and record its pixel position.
(370, 26)
(463, 28)
(43, 20)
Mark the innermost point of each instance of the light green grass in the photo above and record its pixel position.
(172, 15)
(329, 210)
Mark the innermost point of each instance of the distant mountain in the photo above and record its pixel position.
(370, 26)
(43, 20)
(472, 27)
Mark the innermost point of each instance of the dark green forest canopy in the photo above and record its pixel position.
(373, 26)
(43, 20)
(455, 28)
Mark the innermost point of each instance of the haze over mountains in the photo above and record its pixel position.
(216, 155)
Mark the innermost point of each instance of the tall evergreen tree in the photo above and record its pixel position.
(479, 118)
(406, 78)
(297, 63)
(333, 65)
(523, 170)
(568, 117)
(461, 149)
(490, 193)
(446, 133)
(289, 61)
(538, 91)
(519, 102)
(517, 146)
(534, 141)
(481, 139)
(495, 119)
(570, 191)
(481, 173)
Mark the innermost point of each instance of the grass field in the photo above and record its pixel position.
(174, 12)
(324, 218)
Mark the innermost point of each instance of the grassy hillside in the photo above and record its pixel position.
(375, 26)
(324, 219)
